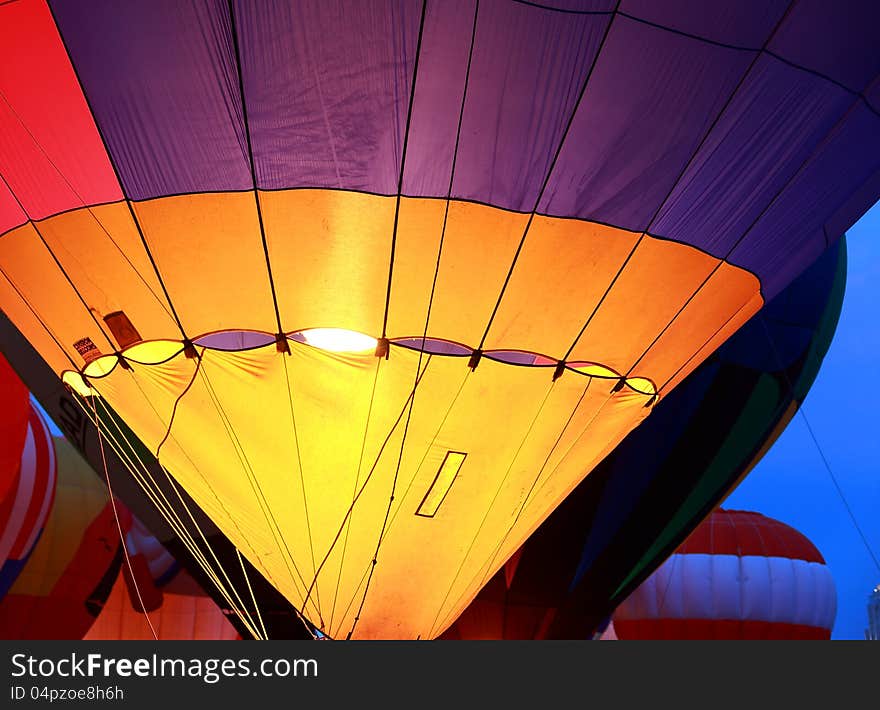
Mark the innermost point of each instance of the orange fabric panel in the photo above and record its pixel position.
(728, 300)
(330, 251)
(102, 252)
(478, 248)
(29, 265)
(27, 323)
(549, 297)
(210, 256)
(659, 277)
(51, 132)
(731, 296)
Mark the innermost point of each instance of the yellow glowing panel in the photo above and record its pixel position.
(442, 483)
(76, 382)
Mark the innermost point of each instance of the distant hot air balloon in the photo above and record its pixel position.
(24, 510)
(160, 598)
(71, 570)
(380, 283)
(739, 575)
(706, 435)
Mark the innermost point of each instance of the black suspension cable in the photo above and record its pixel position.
(412, 95)
(40, 320)
(741, 238)
(363, 486)
(540, 472)
(547, 177)
(119, 526)
(88, 208)
(354, 490)
(116, 173)
(300, 467)
(281, 342)
(485, 517)
(61, 268)
(160, 501)
(217, 498)
(256, 488)
(430, 305)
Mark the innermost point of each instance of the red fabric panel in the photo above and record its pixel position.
(141, 584)
(92, 559)
(714, 629)
(13, 424)
(739, 532)
(46, 128)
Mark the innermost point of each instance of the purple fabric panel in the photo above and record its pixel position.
(527, 70)
(439, 90)
(650, 100)
(787, 236)
(161, 79)
(777, 118)
(837, 39)
(744, 23)
(327, 86)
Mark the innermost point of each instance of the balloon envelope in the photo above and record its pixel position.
(739, 575)
(221, 217)
(70, 572)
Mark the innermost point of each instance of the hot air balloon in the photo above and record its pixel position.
(705, 436)
(380, 283)
(25, 508)
(158, 598)
(69, 575)
(739, 575)
(712, 433)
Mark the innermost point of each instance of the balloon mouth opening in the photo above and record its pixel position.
(336, 340)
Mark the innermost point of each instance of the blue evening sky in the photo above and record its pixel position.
(792, 484)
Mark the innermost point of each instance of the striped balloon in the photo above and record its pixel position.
(71, 569)
(24, 511)
(740, 575)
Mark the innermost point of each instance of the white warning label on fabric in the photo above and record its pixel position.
(87, 349)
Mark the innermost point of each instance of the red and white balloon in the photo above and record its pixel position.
(740, 575)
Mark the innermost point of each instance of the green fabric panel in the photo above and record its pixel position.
(746, 436)
(825, 330)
